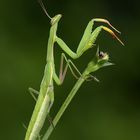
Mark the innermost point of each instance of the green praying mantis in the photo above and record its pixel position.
(46, 93)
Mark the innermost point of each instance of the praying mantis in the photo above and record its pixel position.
(46, 93)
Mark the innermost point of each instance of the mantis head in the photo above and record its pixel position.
(55, 19)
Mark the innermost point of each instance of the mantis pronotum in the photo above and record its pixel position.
(46, 93)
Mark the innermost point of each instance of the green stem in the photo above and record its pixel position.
(65, 105)
(96, 63)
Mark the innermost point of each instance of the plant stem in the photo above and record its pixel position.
(96, 63)
(65, 105)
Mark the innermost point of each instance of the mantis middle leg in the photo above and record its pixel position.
(62, 73)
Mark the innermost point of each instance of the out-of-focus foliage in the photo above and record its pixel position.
(109, 110)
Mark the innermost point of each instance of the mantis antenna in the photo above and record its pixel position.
(44, 9)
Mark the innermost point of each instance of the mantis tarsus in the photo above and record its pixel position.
(46, 93)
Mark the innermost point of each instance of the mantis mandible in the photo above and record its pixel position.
(46, 93)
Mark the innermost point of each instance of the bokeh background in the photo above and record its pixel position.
(109, 110)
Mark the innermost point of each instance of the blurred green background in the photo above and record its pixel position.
(109, 110)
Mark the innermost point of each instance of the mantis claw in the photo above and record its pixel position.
(112, 33)
(107, 22)
(107, 29)
(50, 120)
(91, 77)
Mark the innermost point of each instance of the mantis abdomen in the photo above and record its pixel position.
(43, 105)
(38, 118)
